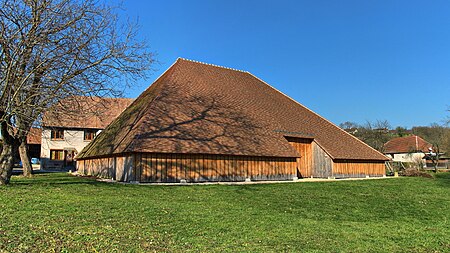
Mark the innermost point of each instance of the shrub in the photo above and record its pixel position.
(415, 173)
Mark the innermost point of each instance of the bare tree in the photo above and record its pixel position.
(375, 134)
(434, 155)
(448, 118)
(438, 135)
(53, 49)
(348, 125)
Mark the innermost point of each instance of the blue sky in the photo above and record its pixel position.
(346, 60)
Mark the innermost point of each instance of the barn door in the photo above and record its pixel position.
(305, 161)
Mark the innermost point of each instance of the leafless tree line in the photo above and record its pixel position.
(377, 133)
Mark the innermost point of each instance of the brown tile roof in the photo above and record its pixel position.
(85, 112)
(407, 144)
(34, 136)
(200, 108)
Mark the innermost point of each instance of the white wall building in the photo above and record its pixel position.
(73, 124)
(407, 157)
(410, 149)
(57, 153)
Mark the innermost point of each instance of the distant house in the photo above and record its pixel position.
(69, 126)
(34, 140)
(407, 149)
(202, 122)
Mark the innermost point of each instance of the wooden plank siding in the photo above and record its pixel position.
(322, 163)
(305, 161)
(348, 168)
(315, 162)
(151, 167)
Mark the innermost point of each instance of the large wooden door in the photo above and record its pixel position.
(305, 162)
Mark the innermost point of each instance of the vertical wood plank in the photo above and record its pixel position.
(173, 170)
(252, 167)
(155, 172)
(183, 167)
(189, 167)
(194, 167)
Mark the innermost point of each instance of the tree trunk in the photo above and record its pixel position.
(10, 145)
(26, 162)
(6, 163)
(436, 163)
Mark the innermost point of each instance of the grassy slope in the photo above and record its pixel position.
(63, 213)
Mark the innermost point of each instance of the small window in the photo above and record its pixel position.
(57, 134)
(89, 135)
(56, 154)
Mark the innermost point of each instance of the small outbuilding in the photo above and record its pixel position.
(200, 122)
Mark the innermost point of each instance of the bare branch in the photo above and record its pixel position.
(54, 49)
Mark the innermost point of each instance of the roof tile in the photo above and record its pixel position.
(85, 112)
(201, 108)
(407, 144)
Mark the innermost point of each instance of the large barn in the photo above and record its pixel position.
(200, 122)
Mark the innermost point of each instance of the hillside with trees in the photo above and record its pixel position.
(379, 132)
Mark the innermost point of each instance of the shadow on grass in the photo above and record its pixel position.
(443, 178)
(443, 175)
(55, 179)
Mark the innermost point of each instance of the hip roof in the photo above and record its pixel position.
(206, 109)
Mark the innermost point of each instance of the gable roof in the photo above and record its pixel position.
(407, 144)
(85, 112)
(206, 109)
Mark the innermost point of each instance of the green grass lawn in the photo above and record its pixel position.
(57, 212)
